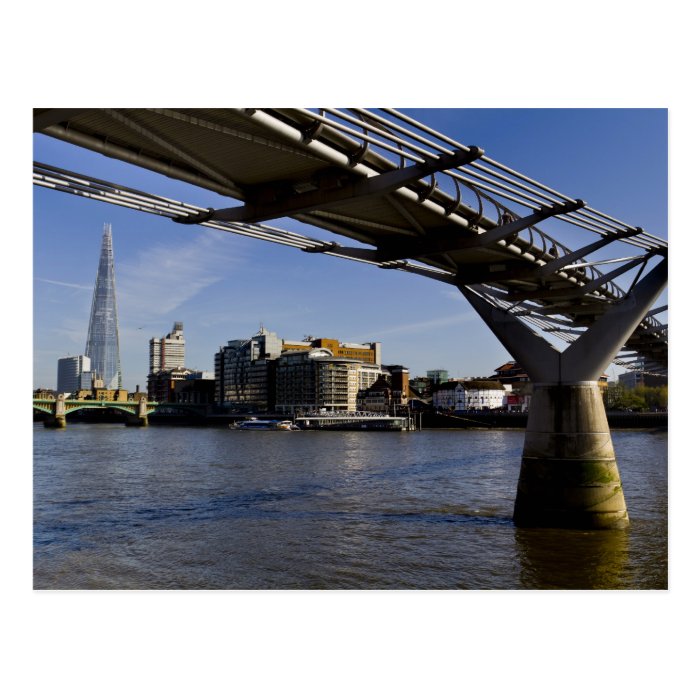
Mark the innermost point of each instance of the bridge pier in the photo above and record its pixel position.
(140, 419)
(568, 474)
(58, 419)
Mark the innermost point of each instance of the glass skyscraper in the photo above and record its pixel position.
(102, 345)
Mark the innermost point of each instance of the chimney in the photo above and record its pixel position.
(399, 382)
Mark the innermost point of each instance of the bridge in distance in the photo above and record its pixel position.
(409, 198)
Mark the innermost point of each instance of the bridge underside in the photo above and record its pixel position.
(418, 201)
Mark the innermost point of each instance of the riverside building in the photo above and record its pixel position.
(315, 380)
(161, 385)
(469, 395)
(519, 387)
(246, 371)
(388, 392)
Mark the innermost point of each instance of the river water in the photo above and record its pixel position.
(210, 508)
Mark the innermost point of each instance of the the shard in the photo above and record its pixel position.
(102, 345)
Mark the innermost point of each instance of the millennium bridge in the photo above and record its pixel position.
(418, 201)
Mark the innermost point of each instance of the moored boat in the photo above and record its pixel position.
(351, 420)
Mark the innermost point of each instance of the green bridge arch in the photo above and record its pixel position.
(48, 406)
(129, 407)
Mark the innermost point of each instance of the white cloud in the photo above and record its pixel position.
(65, 284)
(162, 278)
(426, 325)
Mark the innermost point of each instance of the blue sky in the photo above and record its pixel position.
(223, 286)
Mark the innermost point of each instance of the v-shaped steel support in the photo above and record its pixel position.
(587, 357)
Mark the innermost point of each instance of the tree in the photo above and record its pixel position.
(641, 398)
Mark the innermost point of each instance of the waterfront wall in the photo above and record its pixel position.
(617, 420)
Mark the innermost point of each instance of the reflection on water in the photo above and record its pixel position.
(212, 508)
(571, 559)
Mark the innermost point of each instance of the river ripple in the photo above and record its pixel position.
(211, 508)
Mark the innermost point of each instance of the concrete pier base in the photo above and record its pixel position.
(140, 419)
(568, 475)
(58, 420)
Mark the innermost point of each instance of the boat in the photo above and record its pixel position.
(351, 420)
(258, 424)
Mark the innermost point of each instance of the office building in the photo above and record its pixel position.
(167, 352)
(244, 372)
(73, 374)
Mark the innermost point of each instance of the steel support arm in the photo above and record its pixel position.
(575, 292)
(553, 265)
(531, 350)
(289, 205)
(595, 284)
(366, 254)
(588, 357)
(450, 241)
(501, 232)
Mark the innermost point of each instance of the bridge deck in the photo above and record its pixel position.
(400, 189)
